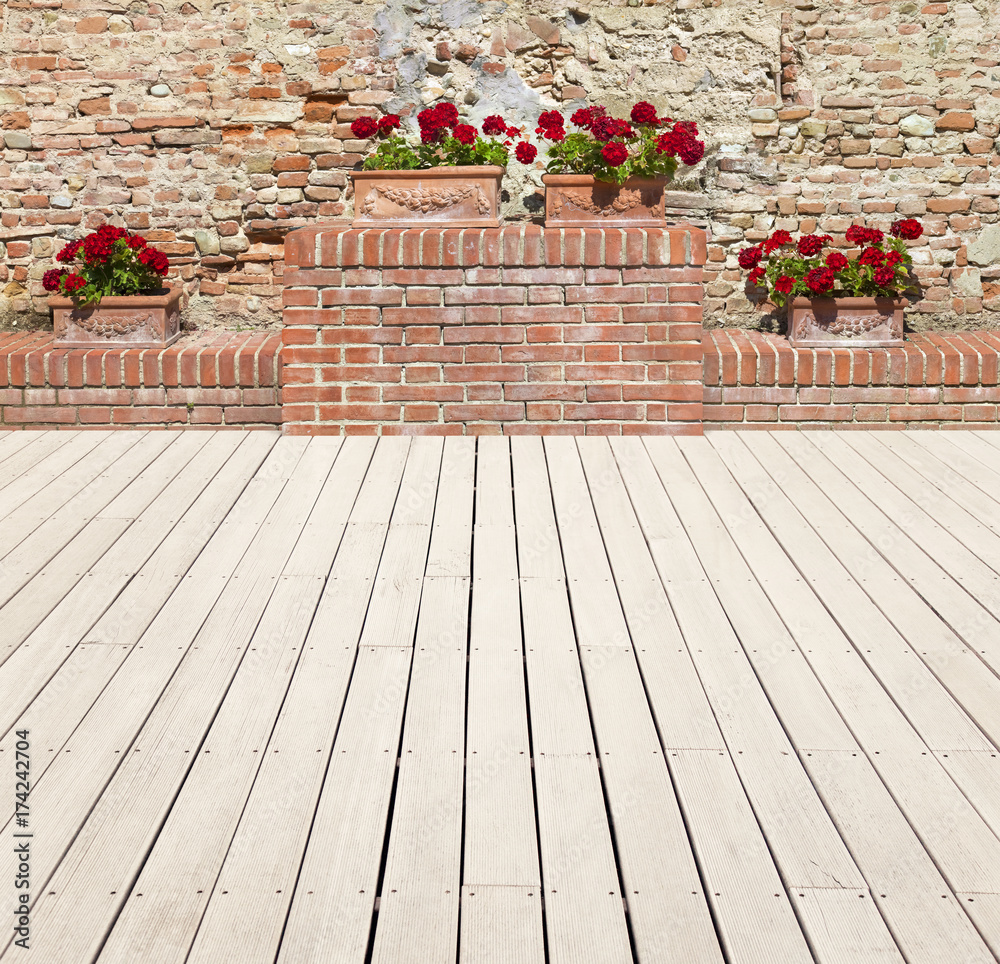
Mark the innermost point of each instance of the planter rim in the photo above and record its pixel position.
(865, 301)
(445, 170)
(576, 179)
(157, 298)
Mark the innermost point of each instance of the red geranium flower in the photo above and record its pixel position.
(465, 133)
(73, 282)
(525, 152)
(777, 240)
(756, 276)
(494, 124)
(810, 245)
(363, 127)
(69, 252)
(513, 131)
(644, 113)
(750, 257)
(820, 280)
(52, 278)
(388, 124)
(784, 284)
(885, 276)
(836, 261)
(551, 118)
(604, 129)
(446, 114)
(855, 234)
(908, 228)
(615, 154)
(586, 116)
(872, 256)
(893, 257)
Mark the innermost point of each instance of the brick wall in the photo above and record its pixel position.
(518, 329)
(221, 380)
(214, 129)
(755, 380)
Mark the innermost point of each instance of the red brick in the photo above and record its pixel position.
(493, 334)
(662, 393)
(435, 277)
(482, 355)
(484, 373)
(919, 413)
(611, 333)
(602, 353)
(422, 393)
(363, 373)
(423, 316)
(484, 296)
(142, 415)
(497, 412)
(604, 393)
(243, 414)
(542, 352)
(565, 277)
(602, 410)
(47, 414)
(608, 373)
(607, 294)
(815, 413)
(540, 391)
(361, 296)
(541, 315)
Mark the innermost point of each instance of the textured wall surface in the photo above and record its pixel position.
(214, 128)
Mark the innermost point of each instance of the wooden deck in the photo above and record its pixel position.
(727, 699)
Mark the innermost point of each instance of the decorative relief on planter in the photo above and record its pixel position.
(136, 321)
(450, 197)
(851, 322)
(578, 201)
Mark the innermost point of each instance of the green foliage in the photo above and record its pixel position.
(395, 154)
(579, 153)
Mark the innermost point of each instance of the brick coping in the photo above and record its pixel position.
(207, 379)
(936, 379)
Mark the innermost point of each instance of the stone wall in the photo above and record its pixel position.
(215, 128)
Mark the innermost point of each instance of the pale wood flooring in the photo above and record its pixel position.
(581, 701)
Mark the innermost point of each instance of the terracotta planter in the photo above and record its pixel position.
(845, 322)
(447, 197)
(150, 320)
(578, 201)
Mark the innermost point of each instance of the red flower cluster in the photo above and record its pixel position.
(69, 252)
(551, 126)
(872, 256)
(388, 124)
(605, 129)
(51, 278)
(784, 284)
(494, 124)
(99, 246)
(757, 276)
(750, 257)
(682, 142)
(857, 234)
(644, 113)
(73, 282)
(811, 244)
(820, 280)
(894, 258)
(836, 261)
(465, 134)
(777, 240)
(586, 116)
(364, 127)
(525, 152)
(909, 229)
(615, 154)
(435, 122)
(884, 276)
(156, 260)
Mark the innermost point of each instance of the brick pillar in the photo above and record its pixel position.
(519, 329)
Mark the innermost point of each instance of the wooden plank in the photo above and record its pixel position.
(974, 461)
(45, 444)
(753, 705)
(584, 911)
(583, 901)
(43, 545)
(392, 613)
(978, 776)
(334, 901)
(182, 866)
(15, 491)
(752, 911)
(596, 607)
(248, 906)
(928, 922)
(419, 903)
(961, 545)
(62, 800)
(171, 907)
(945, 493)
(134, 804)
(451, 539)
(500, 844)
(668, 914)
(165, 477)
(845, 926)
(12, 442)
(933, 712)
(501, 925)
(538, 549)
(984, 909)
(898, 545)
